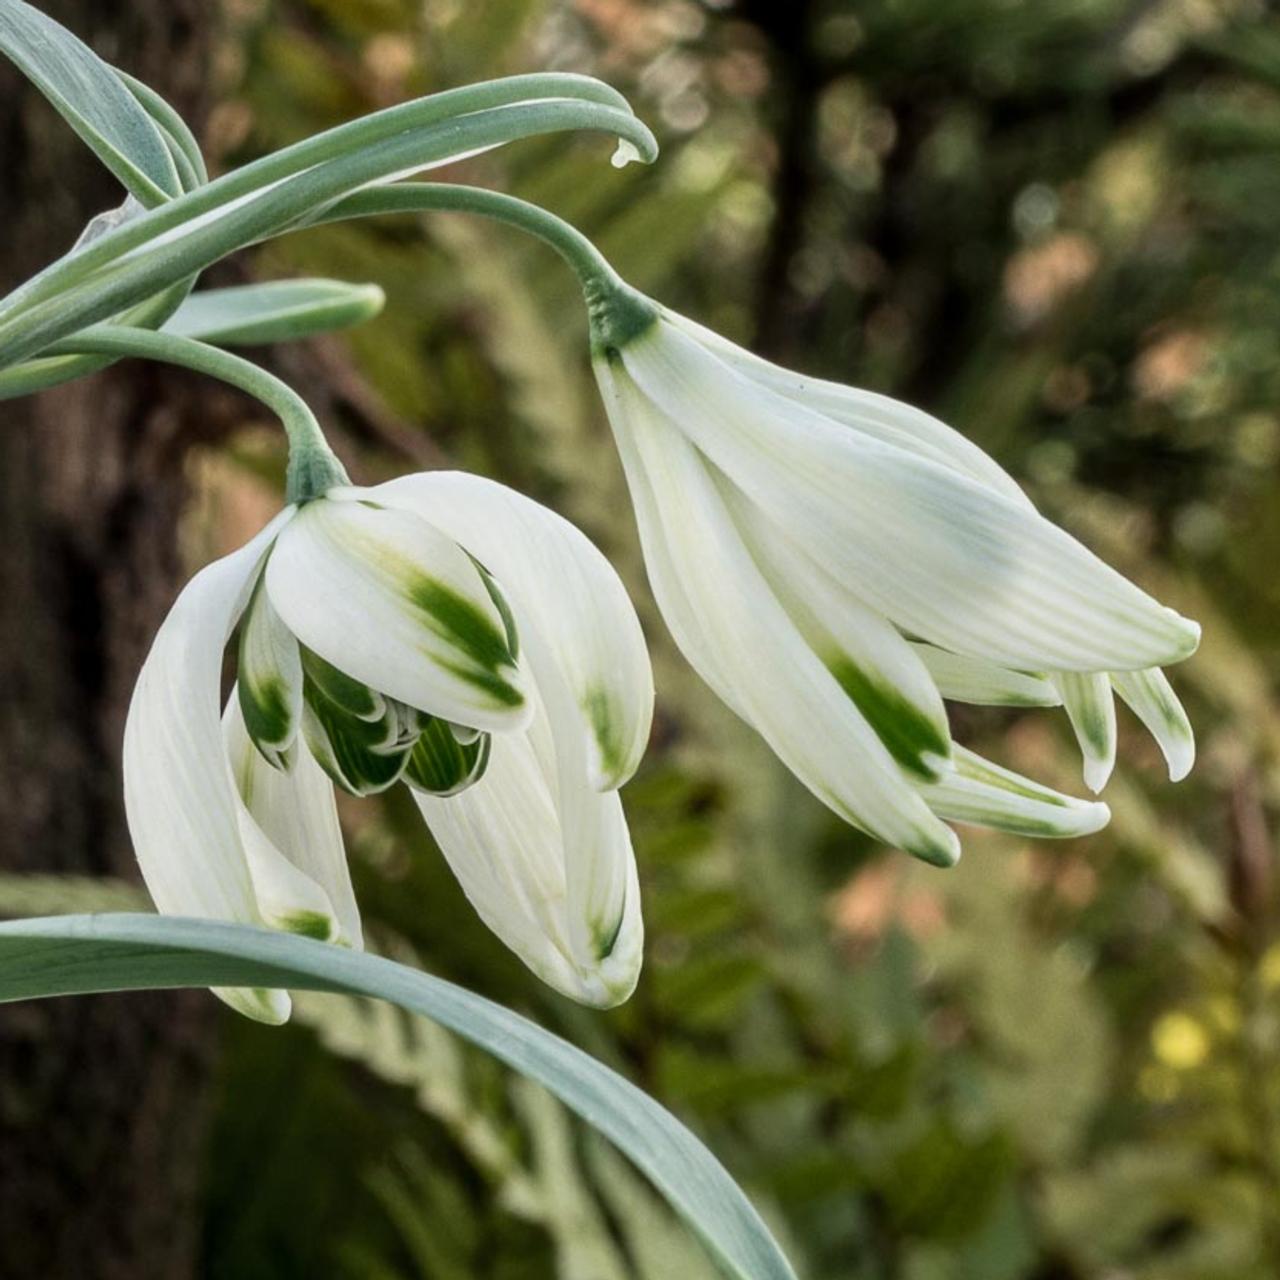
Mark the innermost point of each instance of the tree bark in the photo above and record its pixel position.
(100, 1098)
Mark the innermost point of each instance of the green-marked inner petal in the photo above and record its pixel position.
(440, 765)
(349, 694)
(1092, 710)
(269, 679)
(1151, 698)
(362, 757)
(986, 795)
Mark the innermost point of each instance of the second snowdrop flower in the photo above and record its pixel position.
(835, 563)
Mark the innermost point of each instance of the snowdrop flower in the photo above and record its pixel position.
(835, 563)
(438, 630)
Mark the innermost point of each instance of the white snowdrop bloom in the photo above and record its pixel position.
(438, 630)
(835, 564)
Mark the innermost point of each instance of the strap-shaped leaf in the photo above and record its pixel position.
(88, 93)
(68, 955)
(244, 315)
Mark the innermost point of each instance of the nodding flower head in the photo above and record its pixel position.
(835, 564)
(439, 631)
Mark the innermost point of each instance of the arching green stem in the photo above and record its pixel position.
(313, 466)
(618, 312)
(269, 196)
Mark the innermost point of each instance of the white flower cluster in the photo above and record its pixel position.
(832, 562)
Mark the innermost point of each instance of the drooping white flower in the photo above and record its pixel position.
(439, 630)
(835, 563)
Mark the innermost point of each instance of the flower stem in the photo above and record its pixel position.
(284, 189)
(617, 311)
(313, 466)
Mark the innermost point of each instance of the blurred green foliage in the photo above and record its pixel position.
(1053, 223)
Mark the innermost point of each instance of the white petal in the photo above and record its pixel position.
(179, 794)
(506, 841)
(745, 642)
(963, 679)
(945, 558)
(1092, 710)
(986, 795)
(1152, 699)
(269, 679)
(559, 585)
(878, 416)
(289, 825)
(660, 558)
(391, 601)
(871, 662)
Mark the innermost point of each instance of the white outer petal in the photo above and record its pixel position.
(559, 585)
(289, 825)
(1151, 698)
(660, 558)
(1091, 709)
(745, 642)
(945, 557)
(342, 576)
(507, 839)
(878, 416)
(896, 693)
(179, 794)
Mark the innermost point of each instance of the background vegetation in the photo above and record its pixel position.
(1052, 223)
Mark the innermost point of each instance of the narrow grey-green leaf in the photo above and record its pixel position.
(79, 954)
(277, 311)
(90, 96)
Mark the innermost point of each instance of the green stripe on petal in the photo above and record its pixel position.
(456, 619)
(440, 765)
(984, 794)
(915, 741)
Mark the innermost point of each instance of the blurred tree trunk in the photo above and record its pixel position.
(100, 1099)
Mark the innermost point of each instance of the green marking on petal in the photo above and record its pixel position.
(268, 716)
(501, 691)
(460, 622)
(499, 603)
(598, 707)
(310, 924)
(603, 940)
(913, 740)
(440, 765)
